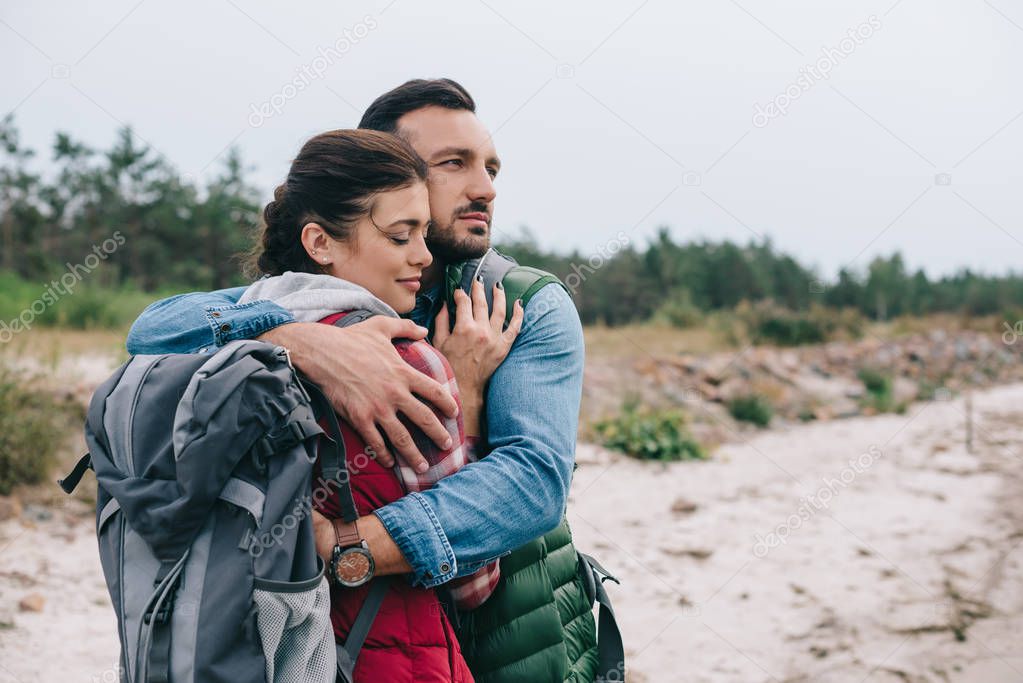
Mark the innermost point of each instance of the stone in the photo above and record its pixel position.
(33, 602)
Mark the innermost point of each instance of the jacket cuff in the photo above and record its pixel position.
(413, 526)
(245, 321)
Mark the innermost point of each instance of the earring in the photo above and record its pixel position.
(314, 251)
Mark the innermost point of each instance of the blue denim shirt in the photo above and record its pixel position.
(484, 510)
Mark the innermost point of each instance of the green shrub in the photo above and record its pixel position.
(650, 434)
(751, 408)
(880, 394)
(927, 389)
(766, 322)
(86, 306)
(678, 310)
(32, 426)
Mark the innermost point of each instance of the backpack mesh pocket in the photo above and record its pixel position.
(294, 626)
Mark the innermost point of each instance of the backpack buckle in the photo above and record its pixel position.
(162, 615)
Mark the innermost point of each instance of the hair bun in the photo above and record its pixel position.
(274, 211)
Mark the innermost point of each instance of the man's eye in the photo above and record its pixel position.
(457, 162)
(492, 171)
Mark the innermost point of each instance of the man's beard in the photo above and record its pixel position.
(446, 246)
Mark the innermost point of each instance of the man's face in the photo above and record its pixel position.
(463, 165)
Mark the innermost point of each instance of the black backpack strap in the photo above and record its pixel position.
(610, 648)
(348, 654)
(354, 317)
(333, 466)
(70, 482)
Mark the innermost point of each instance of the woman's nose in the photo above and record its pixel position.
(420, 255)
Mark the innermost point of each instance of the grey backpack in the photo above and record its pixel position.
(204, 467)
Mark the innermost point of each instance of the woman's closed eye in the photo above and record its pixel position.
(404, 237)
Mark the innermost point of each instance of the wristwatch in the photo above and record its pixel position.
(351, 563)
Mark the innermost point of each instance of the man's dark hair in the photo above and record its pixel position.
(385, 111)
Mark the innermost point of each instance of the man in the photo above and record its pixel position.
(519, 491)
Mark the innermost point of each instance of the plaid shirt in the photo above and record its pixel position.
(467, 592)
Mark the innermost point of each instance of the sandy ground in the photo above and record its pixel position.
(902, 566)
(905, 565)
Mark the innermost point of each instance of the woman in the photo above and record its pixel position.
(346, 232)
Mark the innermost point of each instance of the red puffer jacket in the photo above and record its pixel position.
(411, 639)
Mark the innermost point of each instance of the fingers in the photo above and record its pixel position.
(374, 441)
(463, 310)
(403, 443)
(434, 393)
(441, 326)
(479, 301)
(515, 324)
(424, 418)
(394, 328)
(497, 315)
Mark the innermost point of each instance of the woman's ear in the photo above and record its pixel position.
(317, 243)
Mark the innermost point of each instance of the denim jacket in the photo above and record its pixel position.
(485, 510)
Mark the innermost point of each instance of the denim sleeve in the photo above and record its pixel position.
(201, 322)
(518, 491)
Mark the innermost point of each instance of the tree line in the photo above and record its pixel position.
(181, 234)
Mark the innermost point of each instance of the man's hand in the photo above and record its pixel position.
(369, 384)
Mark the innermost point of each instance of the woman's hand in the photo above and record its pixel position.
(477, 345)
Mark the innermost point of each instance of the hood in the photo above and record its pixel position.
(312, 297)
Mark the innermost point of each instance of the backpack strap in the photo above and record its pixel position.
(70, 482)
(610, 648)
(519, 282)
(354, 317)
(348, 654)
(153, 665)
(491, 268)
(333, 464)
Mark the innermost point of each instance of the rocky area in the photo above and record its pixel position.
(805, 383)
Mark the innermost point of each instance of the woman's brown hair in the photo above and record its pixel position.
(332, 182)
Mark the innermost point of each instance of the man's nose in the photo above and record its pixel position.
(481, 187)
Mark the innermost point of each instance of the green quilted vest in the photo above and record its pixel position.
(538, 625)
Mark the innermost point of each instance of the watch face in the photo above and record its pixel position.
(353, 567)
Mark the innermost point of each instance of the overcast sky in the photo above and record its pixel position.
(609, 117)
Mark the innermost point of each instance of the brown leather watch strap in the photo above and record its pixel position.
(347, 533)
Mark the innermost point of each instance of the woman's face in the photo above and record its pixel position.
(386, 252)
